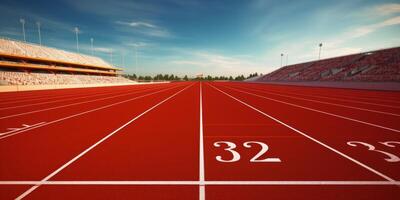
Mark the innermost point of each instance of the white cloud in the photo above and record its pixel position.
(137, 24)
(138, 44)
(364, 30)
(103, 49)
(387, 9)
(146, 28)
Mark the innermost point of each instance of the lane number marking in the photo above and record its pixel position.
(389, 156)
(230, 147)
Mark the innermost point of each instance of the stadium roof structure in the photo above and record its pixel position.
(26, 56)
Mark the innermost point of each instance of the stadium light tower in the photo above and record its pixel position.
(287, 58)
(91, 45)
(123, 59)
(23, 27)
(136, 59)
(76, 29)
(281, 58)
(111, 56)
(320, 47)
(40, 37)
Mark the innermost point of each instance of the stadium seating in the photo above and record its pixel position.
(34, 51)
(25, 78)
(381, 65)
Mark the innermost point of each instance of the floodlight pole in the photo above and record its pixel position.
(320, 47)
(281, 58)
(40, 37)
(287, 58)
(111, 54)
(77, 38)
(23, 28)
(91, 45)
(123, 59)
(136, 59)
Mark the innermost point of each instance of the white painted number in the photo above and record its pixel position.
(390, 157)
(236, 156)
(230, 148)
(390, 143)
(264, 149)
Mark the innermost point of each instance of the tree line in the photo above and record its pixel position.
(172, 77)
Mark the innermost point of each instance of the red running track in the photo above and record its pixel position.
(192, 140)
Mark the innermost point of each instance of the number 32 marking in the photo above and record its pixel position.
(236, 156)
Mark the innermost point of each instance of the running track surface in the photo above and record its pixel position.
(192, 140)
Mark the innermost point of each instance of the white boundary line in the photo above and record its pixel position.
(35, 99)
(319, 111)
(88, 111)
(73, 104)
(311, 138)
(379, 99)
(204, 183)
(27, 192)
(202, 192)
(51, 96)
(80, 96)
(333, 98)
(322, 102)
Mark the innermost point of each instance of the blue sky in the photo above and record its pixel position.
(227, 37)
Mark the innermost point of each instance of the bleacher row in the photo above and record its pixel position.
(34, 51)
(382, 65)
(25, 78)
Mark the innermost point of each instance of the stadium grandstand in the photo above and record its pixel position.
(24, 63)
(374, 66)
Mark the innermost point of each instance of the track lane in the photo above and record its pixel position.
(61, 98)
(28, 157)
(27, 108)
(31, 156)
(30, 95)
(282, 192)
(55, 97)
(63, 113)
(372, 96)
(284, 143)
(126, 162)
(372, 107)
(333, 131)
(333, 112)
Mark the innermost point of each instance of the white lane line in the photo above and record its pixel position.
(12, 130)
(27, 192)
(73, 104)
(332, 98)
(35, 97)
(322, 102)
(202, 193)
(155, 183)
(47, 97)
(379, 99)
(61, 100)
(320, 111)
(86, 112)
(309, 137)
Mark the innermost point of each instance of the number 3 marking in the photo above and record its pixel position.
(392, 158)
(236, 155)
